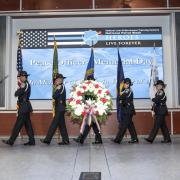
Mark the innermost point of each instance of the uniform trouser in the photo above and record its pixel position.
(126, 123)
(95, 129)
(159, 122)
(22, 119)
(58, 121)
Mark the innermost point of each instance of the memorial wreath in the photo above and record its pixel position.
(89, 94)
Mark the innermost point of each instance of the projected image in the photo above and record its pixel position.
(137, 47)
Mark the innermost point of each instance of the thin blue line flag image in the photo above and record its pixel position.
(90, 67)
(119, 85)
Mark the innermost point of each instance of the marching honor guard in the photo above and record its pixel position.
(127, 112)
(60, 106)
(24, 109)
(89, 121)
(160, 111)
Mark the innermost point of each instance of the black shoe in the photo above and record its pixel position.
(29, 143)
(64, 143)
(76, 140)
(133, 141)
(7, 142)
(79, 139)
(44, 141)
(97, 142)
(166, 141)
(148, 140)
(115, 141)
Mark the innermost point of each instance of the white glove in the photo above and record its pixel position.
(58, 87)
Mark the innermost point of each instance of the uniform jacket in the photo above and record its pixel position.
(126, 102)
(60, 98)
(159, 105)
(23, 93)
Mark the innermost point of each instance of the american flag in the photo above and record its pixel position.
(19, 66)
(39, 38)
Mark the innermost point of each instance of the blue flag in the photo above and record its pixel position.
(119, 85)
(90, 67)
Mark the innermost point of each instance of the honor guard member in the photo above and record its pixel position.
(87, 127)
(60, 106)
(160, 111)
(127, 112)
(24, 109)
(80, 139)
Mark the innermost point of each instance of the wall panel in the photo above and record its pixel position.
(177, 26)
(40, 121)
(9, 5)
(174, 3)
(2, 60)
(130, 4)
(55, 4)
(176, 122)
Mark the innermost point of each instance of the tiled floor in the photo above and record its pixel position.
(126, 161)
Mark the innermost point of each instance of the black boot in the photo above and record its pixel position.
(79, 139)
(64, 142)
(133, 141)
(166, 141)
(148, 140)
(98, 139)
(29, 143)
(44, 141)
(115, 141)
(7, 142)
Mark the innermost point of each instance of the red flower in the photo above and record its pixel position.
(99, 91)
(70, 99)
(83, 113)
(97, 86)
(79, 93)
(88, 82)
(104, 100)
(97, 112)
(107, 92)
(78, 101)
(84, 87)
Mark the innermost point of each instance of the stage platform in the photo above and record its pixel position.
(115, 162)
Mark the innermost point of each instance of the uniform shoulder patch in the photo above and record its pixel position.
(23, 85)
(59, 87)
(127, 91)
(160, 92)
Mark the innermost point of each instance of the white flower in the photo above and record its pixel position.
(78, 110)
(108, 97)
(101, 111)
(72, 103)
(90, 102)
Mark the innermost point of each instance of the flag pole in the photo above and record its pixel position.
(153, 76)
(19, 34)
(54, 72)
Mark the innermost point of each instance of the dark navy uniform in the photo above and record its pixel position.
(24, 110)
(160, 110)
(58, 121)
(127, 112)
